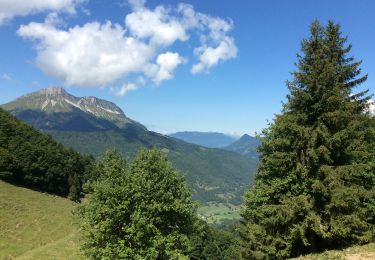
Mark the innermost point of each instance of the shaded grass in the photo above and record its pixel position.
(35, 225)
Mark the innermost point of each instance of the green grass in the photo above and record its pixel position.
(219, 213)
(35, 225)
(351, 253)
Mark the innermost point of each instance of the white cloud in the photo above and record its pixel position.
(6, 77)
(164, 68)
(371, 106)
(92, 55)
(125, 88)
(210, 56)
(12, 8)
(96, 54)
(158, 25)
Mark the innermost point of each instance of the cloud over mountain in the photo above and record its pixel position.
(98, 54)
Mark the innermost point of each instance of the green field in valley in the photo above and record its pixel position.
(219, 214)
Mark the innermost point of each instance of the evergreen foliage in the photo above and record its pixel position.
(211, 243)
(315, 185)
(141, 210)
(35, 160)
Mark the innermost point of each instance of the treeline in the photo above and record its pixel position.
(33, 159)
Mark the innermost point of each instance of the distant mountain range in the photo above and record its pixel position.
(246, 145)
(91, 125)
(207, 139)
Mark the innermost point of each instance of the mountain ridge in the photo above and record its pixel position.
(207, 139)
(247, 146)
(55, 103)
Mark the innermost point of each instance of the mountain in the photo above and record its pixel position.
(91, 125)
(55, 109)
(246, 146)
(207, 139)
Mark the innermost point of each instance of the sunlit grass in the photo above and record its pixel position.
(35, 225)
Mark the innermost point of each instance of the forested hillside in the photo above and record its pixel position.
(35, 160)
(247, 146)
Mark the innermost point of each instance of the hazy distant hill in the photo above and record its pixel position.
(91, 125)
(246, 146)
(207, 139)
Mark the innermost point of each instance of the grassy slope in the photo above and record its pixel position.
(35, 225)
(351, 253)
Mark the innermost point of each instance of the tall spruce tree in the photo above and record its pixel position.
(315, 185)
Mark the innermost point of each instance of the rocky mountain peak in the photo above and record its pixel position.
(55, 100)
(53, 91)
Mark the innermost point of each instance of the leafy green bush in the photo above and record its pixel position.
(141, 210)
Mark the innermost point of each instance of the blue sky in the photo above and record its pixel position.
(236, 89)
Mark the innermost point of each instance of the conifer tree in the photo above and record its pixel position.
(315, 185)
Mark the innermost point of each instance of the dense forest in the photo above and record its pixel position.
(33, 159)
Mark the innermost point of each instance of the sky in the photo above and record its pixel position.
(212, 65)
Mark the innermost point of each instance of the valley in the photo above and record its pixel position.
(91, 126)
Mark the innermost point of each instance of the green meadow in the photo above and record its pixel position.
(35, 225)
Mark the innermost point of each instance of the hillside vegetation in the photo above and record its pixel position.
(246, 145)
(212, 174)
(34, 159)
(35, 225)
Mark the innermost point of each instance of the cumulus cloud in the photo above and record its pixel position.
(98, 54)
(164, 68)
(92, 55)
(159, 26)
(12, 8)
(210, 56)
